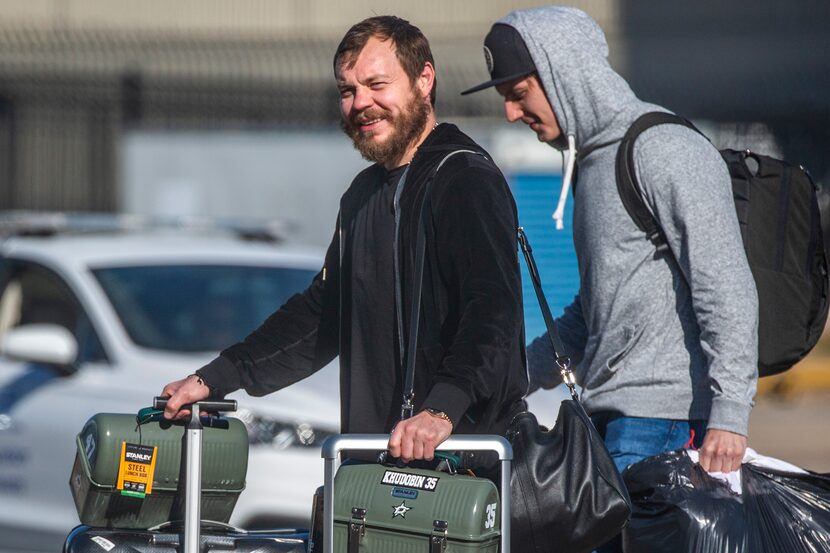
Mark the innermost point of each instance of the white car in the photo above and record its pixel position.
(99, 321)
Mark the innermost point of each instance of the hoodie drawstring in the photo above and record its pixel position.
(559, 214)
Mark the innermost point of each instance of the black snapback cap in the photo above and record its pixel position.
(506, 55)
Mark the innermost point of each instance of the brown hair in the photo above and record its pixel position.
(411, 46)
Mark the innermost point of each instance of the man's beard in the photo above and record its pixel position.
(406, 128)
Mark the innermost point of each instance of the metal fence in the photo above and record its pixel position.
(76, 74)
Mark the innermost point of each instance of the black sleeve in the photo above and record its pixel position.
(475, 220)
(293, 343)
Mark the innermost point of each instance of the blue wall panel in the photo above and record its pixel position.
(536, 197)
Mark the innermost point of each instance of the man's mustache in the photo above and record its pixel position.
(365, 116)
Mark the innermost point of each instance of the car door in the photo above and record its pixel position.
(39, 408)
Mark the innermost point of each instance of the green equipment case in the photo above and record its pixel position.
(392, 510)
(95, 473)
(375, 508)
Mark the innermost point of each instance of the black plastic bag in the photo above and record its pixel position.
(678, 507)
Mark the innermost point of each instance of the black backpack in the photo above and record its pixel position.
(780, 222)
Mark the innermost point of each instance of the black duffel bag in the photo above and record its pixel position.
(567, 494)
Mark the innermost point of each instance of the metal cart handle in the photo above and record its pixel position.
(334, 445)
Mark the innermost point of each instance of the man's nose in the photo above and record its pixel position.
(511, 111)
(362, 99)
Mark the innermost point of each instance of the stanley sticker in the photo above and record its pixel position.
(135, 472)
(409, 480)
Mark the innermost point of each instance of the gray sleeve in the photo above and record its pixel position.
(690, 193)
(541, 361)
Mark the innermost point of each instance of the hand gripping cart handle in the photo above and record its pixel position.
(193, 469)
(334, 445)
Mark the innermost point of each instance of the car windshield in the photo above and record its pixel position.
(197, 308)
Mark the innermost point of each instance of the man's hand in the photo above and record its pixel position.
(183, 392)
(722, 451)
(417, 437)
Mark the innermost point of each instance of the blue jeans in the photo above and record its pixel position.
(632, 439)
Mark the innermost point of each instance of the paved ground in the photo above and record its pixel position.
(793, 428)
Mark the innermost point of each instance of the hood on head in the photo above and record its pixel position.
(590, 100)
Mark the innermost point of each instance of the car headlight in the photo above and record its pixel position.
(280, 434)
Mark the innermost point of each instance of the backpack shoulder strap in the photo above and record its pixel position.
(630, 192)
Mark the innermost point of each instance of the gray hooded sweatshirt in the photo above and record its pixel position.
(666, 336)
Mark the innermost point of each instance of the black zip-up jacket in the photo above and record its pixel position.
(471, 356)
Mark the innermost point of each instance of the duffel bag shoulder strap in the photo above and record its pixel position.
(562, 360)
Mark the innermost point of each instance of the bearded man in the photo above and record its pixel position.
(470, 372)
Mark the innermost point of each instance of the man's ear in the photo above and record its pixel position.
(426, 80)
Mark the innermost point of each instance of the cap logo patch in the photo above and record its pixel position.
(488, 58)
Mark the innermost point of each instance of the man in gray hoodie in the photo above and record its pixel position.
(664, 344)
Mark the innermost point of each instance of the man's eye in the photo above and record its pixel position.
(345, 92)
(377, 85)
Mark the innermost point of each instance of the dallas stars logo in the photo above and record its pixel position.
(400, 510)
